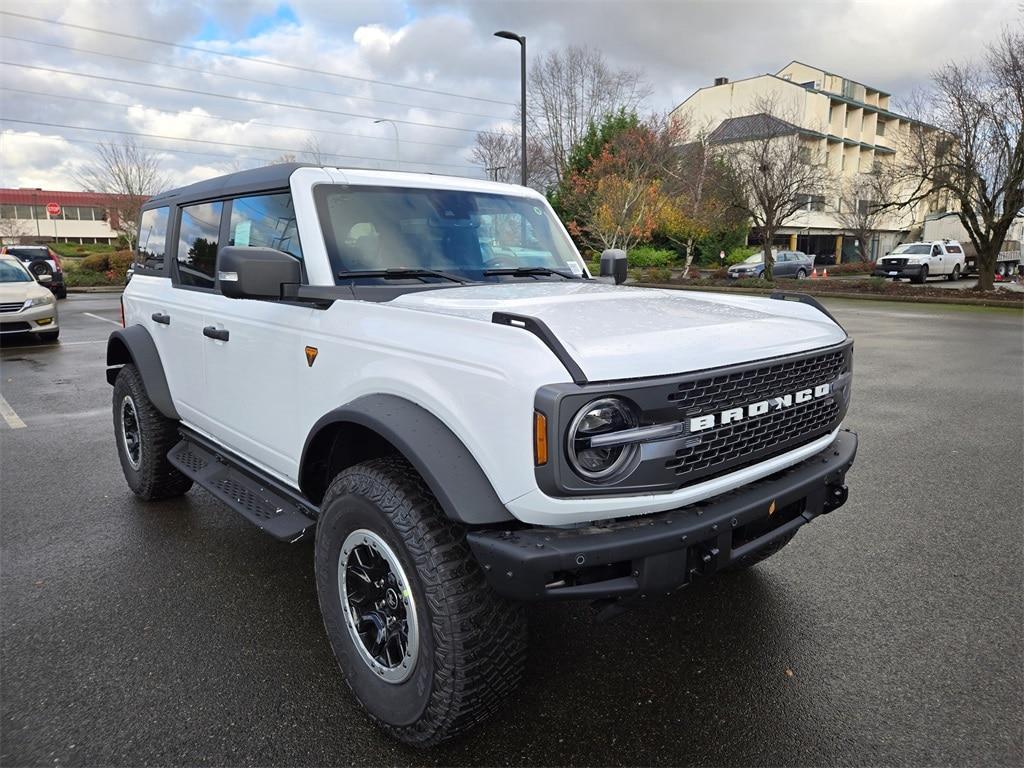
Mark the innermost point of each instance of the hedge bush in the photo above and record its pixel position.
(646, 256)
(95, 262)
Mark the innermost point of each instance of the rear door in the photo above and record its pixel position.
(193, 265)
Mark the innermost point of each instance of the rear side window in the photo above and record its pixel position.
(265, 221)
(152, 239)
(953, 249)
(197, 244)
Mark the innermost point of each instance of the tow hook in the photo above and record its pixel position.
(835, 497)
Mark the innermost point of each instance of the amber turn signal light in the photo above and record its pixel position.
(540, 439)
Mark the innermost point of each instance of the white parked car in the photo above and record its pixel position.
(421, 372)
(26, 306)
(919, 261)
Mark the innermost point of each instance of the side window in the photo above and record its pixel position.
(266, 221)
(152, 238)
(954, 249)
(936, 250)
(197, 244)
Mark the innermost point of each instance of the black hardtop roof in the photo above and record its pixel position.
(231, 184)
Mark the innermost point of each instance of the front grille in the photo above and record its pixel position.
(731, 446)
(15, 327)
(894, 262)
(11, 306)
(735, 442)
(742, 387)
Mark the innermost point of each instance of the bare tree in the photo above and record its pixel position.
(498, 153)
(12, 229)
(973, 149)
(313, 150)
(774, 169)
(570, 89)
(862, 208)
(127, 175)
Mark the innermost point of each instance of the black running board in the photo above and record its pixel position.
(263, 502)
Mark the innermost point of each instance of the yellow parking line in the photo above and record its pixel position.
(12, 419)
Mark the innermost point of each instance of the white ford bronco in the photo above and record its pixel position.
(421, 373)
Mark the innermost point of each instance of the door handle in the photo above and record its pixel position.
(160, 317)
(211, 332)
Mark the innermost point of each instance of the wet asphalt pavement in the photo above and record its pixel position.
(889, 633)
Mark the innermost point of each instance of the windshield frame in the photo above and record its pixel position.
(561, 241)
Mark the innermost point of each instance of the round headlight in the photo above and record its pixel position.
(600, 417)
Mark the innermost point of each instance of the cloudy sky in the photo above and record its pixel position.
(431, 67)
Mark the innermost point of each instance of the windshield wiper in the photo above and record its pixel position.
(399, 273)
(530, 272)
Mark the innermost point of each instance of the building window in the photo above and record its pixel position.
(8, 212)
(813, 202)
(880, 128)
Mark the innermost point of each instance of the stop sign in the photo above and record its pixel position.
(53, 209)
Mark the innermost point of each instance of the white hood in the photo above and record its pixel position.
(616, 332)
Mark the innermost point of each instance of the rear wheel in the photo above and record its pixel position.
(144, 436)
(425, 645)
(955, 274)
(801, 274)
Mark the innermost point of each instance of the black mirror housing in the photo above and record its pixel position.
(255, 273)
(613, 264)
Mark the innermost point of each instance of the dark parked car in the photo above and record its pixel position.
(40, 261)
(793, 264)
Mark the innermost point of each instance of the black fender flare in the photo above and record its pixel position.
(134, 345)
(438, 455)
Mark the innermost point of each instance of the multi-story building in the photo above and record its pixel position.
(47, 216)
(849, 130)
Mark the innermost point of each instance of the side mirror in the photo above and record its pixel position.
(613, 264)
(255, 273)
(44, 279)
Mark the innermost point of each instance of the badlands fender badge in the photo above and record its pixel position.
(311, 355)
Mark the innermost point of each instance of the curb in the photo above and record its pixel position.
(96, 289)
(844, 295)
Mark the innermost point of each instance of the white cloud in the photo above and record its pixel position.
(445, 45)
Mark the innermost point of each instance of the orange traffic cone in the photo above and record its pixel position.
(814, 273)
(824, 273)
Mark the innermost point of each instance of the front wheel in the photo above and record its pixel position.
(425, 645)
(922, 277)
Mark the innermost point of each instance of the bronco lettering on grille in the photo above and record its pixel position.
(761, 407)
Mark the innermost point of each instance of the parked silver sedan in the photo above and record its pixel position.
(791, 264)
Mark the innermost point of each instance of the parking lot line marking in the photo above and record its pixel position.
(104, 319)
(12, 419)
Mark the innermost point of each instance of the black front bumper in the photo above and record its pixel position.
(657, 553)
(907, 271)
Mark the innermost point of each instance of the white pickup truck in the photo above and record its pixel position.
(921, 260)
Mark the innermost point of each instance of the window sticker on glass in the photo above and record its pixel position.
(575, 268)
(242, 230)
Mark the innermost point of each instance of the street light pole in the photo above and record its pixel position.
(398, 150)
(521, 39)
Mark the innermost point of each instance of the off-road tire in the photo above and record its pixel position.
(763, 554)
(156, 477)
(472, 643)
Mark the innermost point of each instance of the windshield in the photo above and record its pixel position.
(913, 248)
(12, 272)
(465, 235)
(757, 258)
